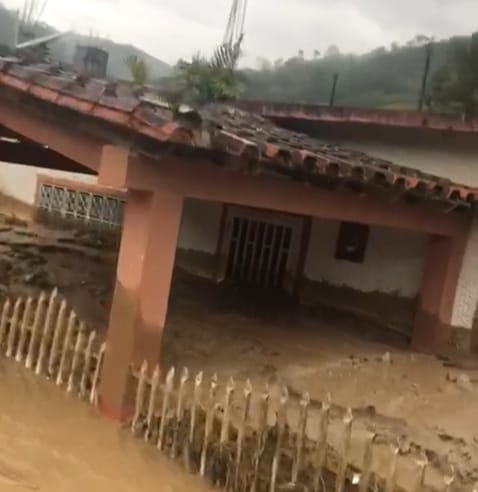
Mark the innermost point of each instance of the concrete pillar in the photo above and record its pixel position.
(113, 166)
(433, 322)
(140, 303)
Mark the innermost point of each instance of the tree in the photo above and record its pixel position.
(455, 85)
(208, 80)
(301, 54)
(420, 40)
(332, 51)
(137, 69)
(264, 63)
(316, 54)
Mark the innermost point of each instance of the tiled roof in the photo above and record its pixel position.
(258, 143)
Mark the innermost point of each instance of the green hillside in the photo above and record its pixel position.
(386, 78)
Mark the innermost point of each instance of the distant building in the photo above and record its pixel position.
(9, 25)
(90, 60)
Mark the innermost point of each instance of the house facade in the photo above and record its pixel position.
(230, 196)
(431, 144)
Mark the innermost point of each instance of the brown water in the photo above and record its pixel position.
(52, 441)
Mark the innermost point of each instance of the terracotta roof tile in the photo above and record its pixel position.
(260, 143)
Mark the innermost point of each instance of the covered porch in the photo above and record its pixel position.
(157, 191)
(226, 157)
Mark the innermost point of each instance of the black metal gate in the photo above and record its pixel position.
(258, 252)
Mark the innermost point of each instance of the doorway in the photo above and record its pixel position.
(261, 248)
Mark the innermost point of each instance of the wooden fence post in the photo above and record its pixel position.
(76, 357)
(24, 328)
(60, 322)
(281, 425)
(140, 391)
(46, 331)
(86, 367)
(152, 403)
(168, 390)
(261, 435)
(230, 387)
(66, 347)
(39, 313)
(179, 410)
(196, 401)
(449, 479)
(420, 481)
(321, 449)
(96, 375)
(344, 452)
(242, 430)
(367, 464)
(211, 410)
(13, 327)
(392, 473)
(301, 434)
(4, 321)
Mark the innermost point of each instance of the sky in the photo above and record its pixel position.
(173, 29)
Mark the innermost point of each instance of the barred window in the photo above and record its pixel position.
(352, 242)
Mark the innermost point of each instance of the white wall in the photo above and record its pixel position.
(393, 260)
(467, 290)
(200, 226)
(19, 181)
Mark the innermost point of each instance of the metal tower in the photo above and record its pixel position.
(236, 22)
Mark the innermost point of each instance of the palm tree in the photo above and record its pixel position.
(215, 79)
(137, 69)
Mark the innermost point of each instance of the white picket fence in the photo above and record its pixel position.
(260, 442)
(45, 334)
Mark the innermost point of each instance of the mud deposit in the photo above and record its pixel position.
(52, 442)
(431, 407)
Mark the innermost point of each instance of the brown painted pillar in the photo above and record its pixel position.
(432, 330)
(140, 303)
(113, 166)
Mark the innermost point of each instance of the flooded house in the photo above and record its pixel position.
(229, 196)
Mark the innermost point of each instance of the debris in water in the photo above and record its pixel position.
(387, 358)
(464, 382)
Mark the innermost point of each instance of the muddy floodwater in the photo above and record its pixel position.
(53, 442)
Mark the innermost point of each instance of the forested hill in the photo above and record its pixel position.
(385, 77)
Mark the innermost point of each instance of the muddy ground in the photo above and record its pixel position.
(245, 334)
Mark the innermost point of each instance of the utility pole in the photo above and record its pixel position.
(426, 71)
(334, 88)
